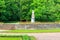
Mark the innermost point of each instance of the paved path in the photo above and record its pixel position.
(39, 36)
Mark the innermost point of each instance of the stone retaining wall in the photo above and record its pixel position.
(7, 26)
(29, 26)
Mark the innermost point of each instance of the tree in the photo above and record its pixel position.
(25, 8)
(2, 11)
(21, 10)
(46, 10)
(13, 9)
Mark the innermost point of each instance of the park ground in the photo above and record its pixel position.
(45, 34)
(53, 34)
(38, 36)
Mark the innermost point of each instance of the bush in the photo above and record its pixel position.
(21, 10)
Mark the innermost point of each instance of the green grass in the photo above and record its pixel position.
(34, 31)
(10, 38)
(33, 38)
(14, 37)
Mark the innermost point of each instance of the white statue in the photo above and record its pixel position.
(33, 17)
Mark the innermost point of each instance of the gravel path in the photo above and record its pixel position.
(39, 36)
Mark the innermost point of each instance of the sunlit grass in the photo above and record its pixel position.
(10, 38)
(13, 37)
(34, 31)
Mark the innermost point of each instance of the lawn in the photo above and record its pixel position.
(33, 31)
(4, 37)
(10, 38)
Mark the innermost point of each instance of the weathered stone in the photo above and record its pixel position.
(28, 26)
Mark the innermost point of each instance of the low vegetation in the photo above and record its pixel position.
(33, 31)
(21, 10)
(13, 37)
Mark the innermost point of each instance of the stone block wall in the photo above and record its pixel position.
(28, 26)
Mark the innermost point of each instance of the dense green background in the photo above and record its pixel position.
(20, 10)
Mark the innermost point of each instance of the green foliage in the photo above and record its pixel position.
(32, 38)
(46, 10)
(2, 10)
(16, 37)
(21, 10)
(25, 8)
(26, 37)
(10, 10)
